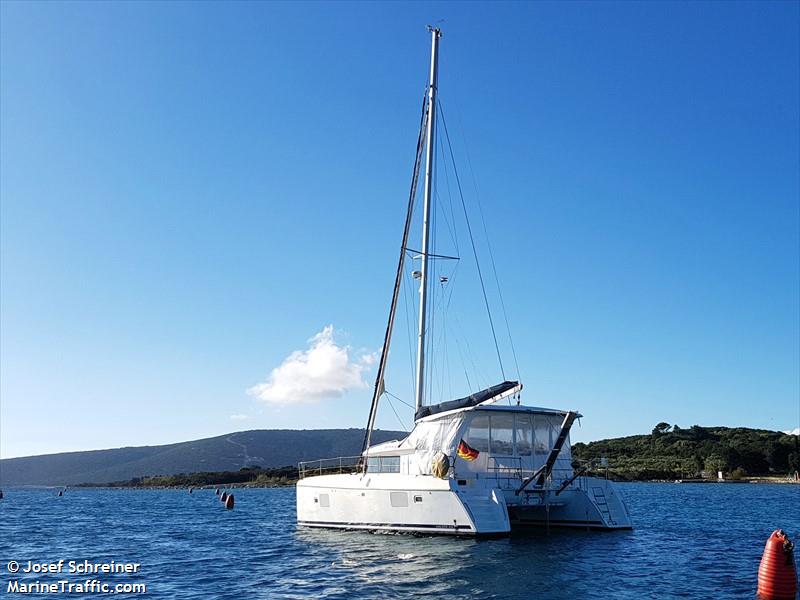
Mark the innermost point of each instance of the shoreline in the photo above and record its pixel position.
(292, 483)
(744, 480)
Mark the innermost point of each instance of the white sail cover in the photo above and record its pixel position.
(418, 449)
(428, 438)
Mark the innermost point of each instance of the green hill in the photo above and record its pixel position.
(666, 453)
(265, 447)
(671, 452)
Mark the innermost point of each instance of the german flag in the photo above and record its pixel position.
(466, 451)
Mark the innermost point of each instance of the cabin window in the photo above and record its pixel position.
(523, 434)
(502, 434)
(398, 499)
(542, 434)
(478, 434)
(383, 464)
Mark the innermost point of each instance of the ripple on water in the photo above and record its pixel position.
(690, 541)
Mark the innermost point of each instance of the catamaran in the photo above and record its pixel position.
(472, 466)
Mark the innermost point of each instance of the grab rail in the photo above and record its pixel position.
(348, 464)
(329, 466)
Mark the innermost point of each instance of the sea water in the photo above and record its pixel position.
(689, 541)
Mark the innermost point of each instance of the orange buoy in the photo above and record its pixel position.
(224, 496)
(229, 502)
(777, 575)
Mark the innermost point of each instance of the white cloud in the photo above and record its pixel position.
(325, 370)
(239, 417)
(795, 431)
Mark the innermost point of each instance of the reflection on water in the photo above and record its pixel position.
(391, 564)
(689, 541)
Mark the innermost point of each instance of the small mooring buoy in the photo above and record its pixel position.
(777, 574)
(224, 496)
(229, 502)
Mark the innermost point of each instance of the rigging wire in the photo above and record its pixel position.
(472, 242)
(481, 379)
(380, 377)
(438, 289)
(489, 247)
(452, 212)
(463, 363)
(445, 358)
(450, 228)
(398, 398)
(411, 352)
(441, 295)
(446, 296)
(399, 420)
(451, 285)
(446, 280)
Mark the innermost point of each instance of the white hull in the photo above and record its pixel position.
(394, 502)
(429, 505)
(593, 504)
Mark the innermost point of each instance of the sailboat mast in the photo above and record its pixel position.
(436, 33)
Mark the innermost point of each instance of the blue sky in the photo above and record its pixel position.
(190, 192)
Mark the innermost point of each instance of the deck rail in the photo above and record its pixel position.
(329, 466)
(509, 473)
(348, 464)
